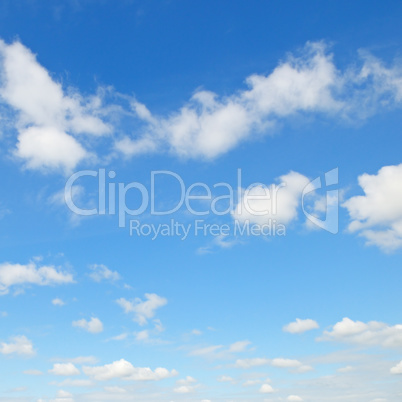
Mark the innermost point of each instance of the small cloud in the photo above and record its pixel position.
(30, 274)
(239, 346)
(125, 370)
(94, 325)
(225, 378)
(120, 337)
(143, 310)
(186, 386)
(142, 335)
(19, 345)
(101, 272)
(266, 389)
(64, 369)
(63, 394)
(346, 369)
(58, 302)
(397, 369)
(299, 326)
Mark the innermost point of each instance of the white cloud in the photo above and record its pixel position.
(46, 114)
(285, 363)
(102, 272)
(263, 204)
(252, 362)
(250, 383)
(184, 389)
(94, 325)
(266, 389)
(377, 215)
(125, 370)
(19, 345)
(186, 386)
(120, 337)
(63, 394)
(58, 302)
(239, 346)
(186, 381)
(220, 351)
(372, 333)
(64, 369)
(49, 148)
(397, 369)
(142, 335)
(143, 310)
(296, 365)
(207, 126)
(206, 351)
(115, 390)
(28, 87)
(225, 378)
(294, 398)
(299, 326)
(30, 274)
(346, 369)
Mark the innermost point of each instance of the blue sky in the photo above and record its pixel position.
(300, 99)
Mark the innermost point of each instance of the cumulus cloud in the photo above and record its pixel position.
(372, 333)
(125, 370)
(299, 326)
(19, 345)
(377, 215)
(53, 123)
(186, 385)
(94, 325)
(143, 310)
(30, 274)
(64, 369)
(294, 398)
(47, 147)
(266, 389)
(209, 125)
(397, 369)
(48, 116)
(262, 204)
(102, 272)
